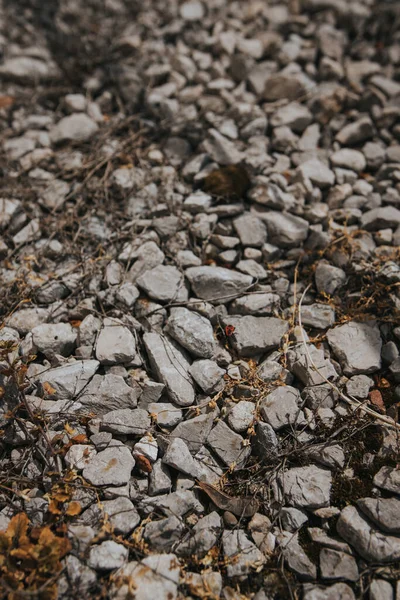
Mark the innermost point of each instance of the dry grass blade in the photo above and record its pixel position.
(351, 401)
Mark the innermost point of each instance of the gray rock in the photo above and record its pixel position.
(216, 283)
(107, 556)
(385, 512)
(380, 589)
(57, 338)
(109, 392)
(79, 455)
(221, 150)
(164, 534)
(306, 487)
(208, 375)
(192, 331)
(29, 233)
(349, 159)
(126, 421)
(359, 386)
(355, 133)
(194, 431)
(156, 576)
(292, 519)
(328, 278)
(171, 367)
(241, 417)
(163, 283)
(295, 557)
(337, 565)
(282, 407)
(77, 127)
(319, 536)
(69, 380)
(112, 466)
(115, 344)
(165, 413)
(338, 591)
(357, 346)
(265, 441)
(383, 217)
(374, 154)
(371, 544)
(78, 576)
(27, 69)
(54, 196)
(203, 536)
(317, 172)
(293, 115)
(151, 392)
(251, 230)
(388, 479)
(285, 230)
(254, 335)
(145, 257)
(123, 516)
(177, 503)
(252, 268)
(256, 304)
(317, 315)
(206, 583)
(160, 481)
(178, 457)
(240, 553)
(228, 446)
(303, 368)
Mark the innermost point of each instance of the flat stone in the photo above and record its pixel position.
(241, 555)
(208, 375)
(178, 457)
(285, 230)
(27, 70)
(126, 421)
(171, 367)
(107, 556)
(192, 331)
(320, 316)
(306, 487)
(328, 278)
(177, 503)
(194, 431)
(295, 557)
(241, 417)
(160, 481)
(115, 344)
(156, 576)
(192, 10)
(70, 379)
(77, 127)
(293, 115)
(337, 565)
(112, 466)
(338, 591)
(203, 536)
(165, 534)
(317, 172)
(380, 589)
(123, 516)
(349, 159)
(145, 257)
(256, 304)
(228, 445)
(166, 414)
(282, 407)
(292, 519)
(57, 338)
(371, 544)
(163, 283)
(357, 346)
(359, 386)
(251, 230)
(265, 442)
(54, 196)
(221, 149)
(255, 335)
(355, 133)
(388, 479)
(216, 283)
(385, 512)
(79, 455)
(383, 217)
(109, 392)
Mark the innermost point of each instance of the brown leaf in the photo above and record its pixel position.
(241, 507)
(18, 527)
(6, 101)
(143, 463)
(74, 509)
(48, 389)
(375, 397)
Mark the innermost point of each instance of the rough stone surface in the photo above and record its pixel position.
(306, 487)
(255, 335)
(357, 346)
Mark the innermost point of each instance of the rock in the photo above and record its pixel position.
(338, 591)
(156, 576)
(320, 316)
(255, 304)
(357, 346)
(177, 503)
(295, 557)
(282, 407)
(194, 431)
(79, 455)
(318, 173)
(115, 344)
(349, 159)
(328, 278)
(251, 230)
(266, 442)
(203, 536)
(192, 11)
(145, 257)
(123, 516)
(77, 127)
(171, 367)
(165, 414)
(355, 133)
(126, 421)
(383, 511)
(109, 392)
(337, 565)
(241, 417)
(241, 554)
(52, 339)
(254, 335)
(159, 479)
(209, 582)
(112, 466)
(54, 196)
(285, 230)
(178, 457)
(220, 149)
(28, 233)
(27, 70)
(228, 446)
(359, 386)
(163, 283)
(306, 487)
(165, 534)
(68, 380)
(388, 479)
(372, 545)
(292, 519)
(107, 556)
(216, 283)
(382, 217)
(293, 115)
(208, 375)
(192, 331)
(380, 589)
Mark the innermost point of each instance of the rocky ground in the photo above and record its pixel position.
(200, 231)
